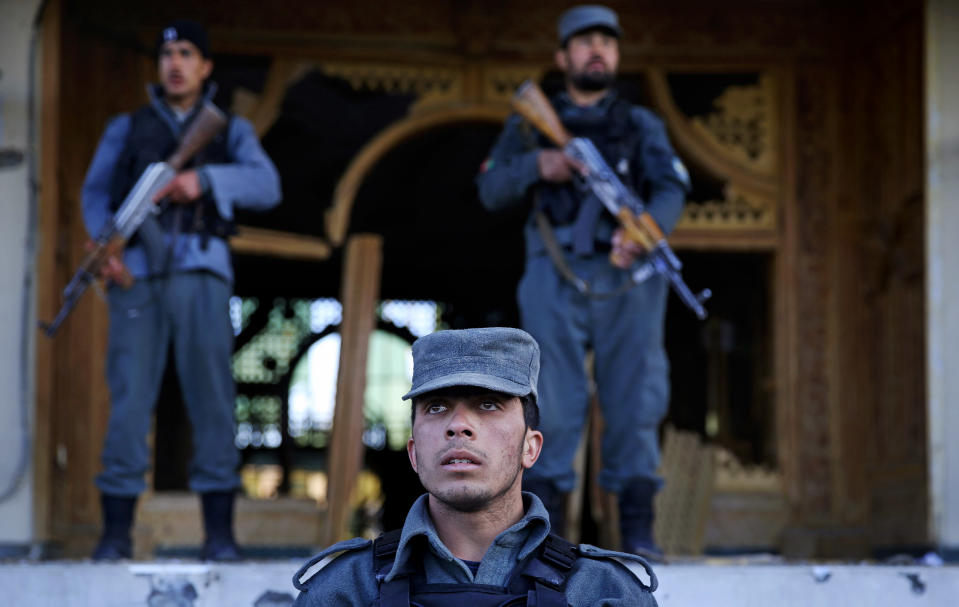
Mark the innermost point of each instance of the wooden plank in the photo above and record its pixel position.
(829, 82)
(783, 294)
(691, 239)
(853, 333)
(282, 73)
(890, 209)
(815, 195)
(47, 286)
(682, 506)
(79, 404)
(275, 243)
(76, 347)
(360, 290)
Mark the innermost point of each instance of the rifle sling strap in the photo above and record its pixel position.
(559, 260)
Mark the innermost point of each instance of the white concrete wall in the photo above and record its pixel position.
(16, 19)
(942, 241)
(59, 584)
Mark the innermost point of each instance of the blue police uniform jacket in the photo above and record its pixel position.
(236, 173)
(633, 142)
(345, 573)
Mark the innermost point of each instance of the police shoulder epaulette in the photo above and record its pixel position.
(624, 559)
(320, 561)
(642, 115)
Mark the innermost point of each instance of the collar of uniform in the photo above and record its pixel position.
(155, 93)
(529, 532)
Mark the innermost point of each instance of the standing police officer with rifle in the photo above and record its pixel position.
(180, 261)
(578, 289)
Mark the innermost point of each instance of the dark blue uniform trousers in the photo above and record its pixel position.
(189, 310)
(630, 367)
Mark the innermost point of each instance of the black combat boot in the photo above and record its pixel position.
(115, 543)
(636, 518)
(218, 526)
(552, 498)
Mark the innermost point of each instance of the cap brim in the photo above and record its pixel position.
(615, 31)
(475, 380)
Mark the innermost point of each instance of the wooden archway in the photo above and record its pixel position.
(338, 216)
(359, 292)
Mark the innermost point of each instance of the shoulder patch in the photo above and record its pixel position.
(628, 561)
(681, 172)
(318, 562)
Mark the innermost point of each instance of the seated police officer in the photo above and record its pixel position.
(475, 538)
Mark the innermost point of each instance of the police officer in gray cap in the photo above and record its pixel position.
(571, 239)
(475, 539)
(179, 302)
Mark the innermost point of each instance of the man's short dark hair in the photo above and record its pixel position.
(530, 408)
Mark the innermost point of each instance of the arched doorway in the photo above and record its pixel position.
(414, 187)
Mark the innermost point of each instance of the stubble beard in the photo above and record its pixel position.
(469, 500)
(592, 81)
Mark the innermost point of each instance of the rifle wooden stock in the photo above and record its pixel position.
(635, 229)
(650, 227)
(94, 261)
(531, 103)
(208, 122)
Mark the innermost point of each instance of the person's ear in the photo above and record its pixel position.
(532, 447)
(562, 59)
(411, 452)
(207, 68)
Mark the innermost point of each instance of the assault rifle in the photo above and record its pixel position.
(137, 206)
(639, 226)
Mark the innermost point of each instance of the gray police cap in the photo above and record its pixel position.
(584, 17)
(496, 358)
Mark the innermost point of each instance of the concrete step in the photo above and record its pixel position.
(268, 584)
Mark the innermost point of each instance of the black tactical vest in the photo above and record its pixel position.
(615, 136)
(150, 140)
(539, 581)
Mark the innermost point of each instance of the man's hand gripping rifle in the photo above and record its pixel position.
(139, 204)
(639, 226)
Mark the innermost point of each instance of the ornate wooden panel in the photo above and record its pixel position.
(816, 182)
(890, 298)
(854, 427)
(738, 142)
